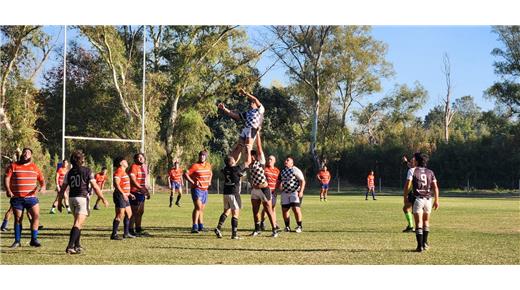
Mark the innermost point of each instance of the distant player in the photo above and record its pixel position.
(60, 176)
(260, 192)
(408, 201)
(252, 118)
(272, 173)
(80, 180)
(175, 182)
(422, 180)
(199, 176)
(324, 177)
(101, 178)
(121, 199)
(292, 183)
(371, 187)
(138, 174)
(232, 202)
(21, 183)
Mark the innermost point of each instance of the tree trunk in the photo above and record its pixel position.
(174, 113)
(314, 134)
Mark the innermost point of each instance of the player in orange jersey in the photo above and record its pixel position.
(324, 177)
(271, 172)
(371, 186)
(199, 176)
(138, 174)
(101, 178)
(121, 199)
(175, 182)
(60, 176)
(21, 182)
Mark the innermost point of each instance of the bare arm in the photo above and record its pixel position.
(436, 192)
(228, 112)
(7, 182)
(302, 188)
(188, 178)
(407, 187)
(58, 187)
(250, 97)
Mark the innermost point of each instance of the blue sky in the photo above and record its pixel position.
(416, 54)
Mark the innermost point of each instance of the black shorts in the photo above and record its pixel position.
(139, 198)
(119, 200)
(295, 204)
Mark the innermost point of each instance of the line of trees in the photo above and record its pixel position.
(189, 69)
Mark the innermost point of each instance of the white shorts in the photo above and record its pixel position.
(263, 194)
(290, 199)
(248, 133)
(79, 205)
(232, 202)
(422, 205)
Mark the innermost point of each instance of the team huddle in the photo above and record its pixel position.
(24, 181)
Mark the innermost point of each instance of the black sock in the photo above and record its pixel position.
(234, 225)
(257, 227)
(126, 225)
(420, 237)
(178, 198)
(426, 231)
(138, 229)
(77, 240)
(222, 220)
(53, 206)
(115, 226)
(171, 199)
(299, 223)
(74, 234)
(287, 222)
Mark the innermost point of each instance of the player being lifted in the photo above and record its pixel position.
(175, 182)
(232, 202)
(260, 192)
(80, 180)
(421, 181)
(60, 176)
(253, 120)
(324, 177)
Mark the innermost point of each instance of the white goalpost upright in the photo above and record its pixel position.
(65, 136)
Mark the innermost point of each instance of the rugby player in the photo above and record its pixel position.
(175, 182)
(371, 188)
(199, 176)
(271, 173)
(324, 177)
(101, 178)
(121, 198)
(60, 176)
(138, 175)
(292, 183)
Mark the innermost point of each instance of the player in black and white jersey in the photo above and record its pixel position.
(292, 183)
(80, 180)
(252, 119)
(422, 180)
(232, 203)
(260, 192)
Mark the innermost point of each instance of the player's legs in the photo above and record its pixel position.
(407, 210)
(267, 206)
(373, 191)
(55, 204)
(18, 218)
(325, 193)
(286, 217)
(321, 193)
(197, 209)
(298, 216)
(74, 246)
(179, 195)
(255, 203)
(139, 219)
(7, 216)
(66, 200)
(96, 205)
(34, 211)
(426, 229)
(200, 222)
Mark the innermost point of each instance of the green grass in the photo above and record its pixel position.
(346, 230)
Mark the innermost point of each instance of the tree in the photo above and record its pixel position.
(359, 65)
(302, 49)
(448, 111)
(507, 90)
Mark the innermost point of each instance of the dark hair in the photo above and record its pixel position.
(118, 160)
(27, 148)
(77, 158)
(64, 160)
(289, 156)
(103, 168)
(203, 152)
(136, 155)
(227, 160)
(421, 158)
(253, 153)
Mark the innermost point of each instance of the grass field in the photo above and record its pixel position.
(345, 230)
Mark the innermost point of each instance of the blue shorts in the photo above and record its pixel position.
(199, 194)
(325, 186)
(139, 198)
(119, 200)
(175, 185)
(21, 203)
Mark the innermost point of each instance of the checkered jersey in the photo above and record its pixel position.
(289, 178)
(254, 117)
(258, 174)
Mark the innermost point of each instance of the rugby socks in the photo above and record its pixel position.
(409, 219)
(74, 235)
(299, 223)
(178, 198)
(17, 232)
(234, 226)
(257, 227)
(4, 223)
(126, 226)
(287, 222)
(195, 227)
(115, 226)
(34, 235)
(426, 231)
(200, 227)
(138, 229)
(420, 237)
(222, 220)
(77, 240)
(171, 200)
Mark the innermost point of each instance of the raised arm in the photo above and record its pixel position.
(250, 97)
(229, 112)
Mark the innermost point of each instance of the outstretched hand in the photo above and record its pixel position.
(221, 106)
